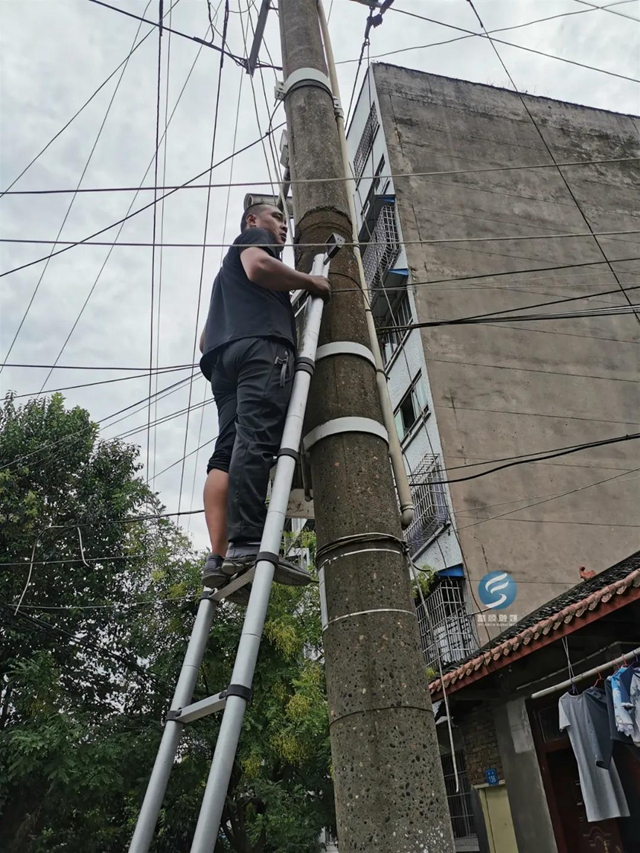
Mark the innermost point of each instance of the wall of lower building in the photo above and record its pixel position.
(507, 389)
(486, 774)
(531, 818)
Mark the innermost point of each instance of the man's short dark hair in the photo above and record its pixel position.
(253, 210)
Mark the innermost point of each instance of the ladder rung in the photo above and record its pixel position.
(234, 585)
(202, 708)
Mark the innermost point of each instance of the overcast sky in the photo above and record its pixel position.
(55, 55)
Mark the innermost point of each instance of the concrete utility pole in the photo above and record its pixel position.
(390, 794)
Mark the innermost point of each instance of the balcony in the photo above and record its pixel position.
(429, 498)
(383, 249)
(446, 629)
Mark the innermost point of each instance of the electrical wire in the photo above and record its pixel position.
(94, 367)
(491, 32)
(154, 227)
(224, 237)
(494, 315)
(74, 196)
(549, 152)
(523, 318)
(434, 455)
(157, 372)
(608, 8)
(525, 461)
(204, 241)
(47, 445)
(551, 498)
(186, 456)
(425, 242)
(297, 181)
(255, 102)
(500, 41)
(237, 59)
(163, 419)
(73, 560)
(96, 281)
(86, 642)
(162, 212)
(76, 114)
(66, 247)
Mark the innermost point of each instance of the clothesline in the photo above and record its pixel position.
(583, 675)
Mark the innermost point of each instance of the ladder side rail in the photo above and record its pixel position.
(208, 825)
(148, 817)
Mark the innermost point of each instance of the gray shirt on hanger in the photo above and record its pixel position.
(601, 787)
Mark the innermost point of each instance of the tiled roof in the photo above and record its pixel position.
(574, 604)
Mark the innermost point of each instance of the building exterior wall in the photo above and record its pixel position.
(503, 390)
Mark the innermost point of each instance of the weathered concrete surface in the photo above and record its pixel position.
(527, 798)
(390, 795)
(508, 389)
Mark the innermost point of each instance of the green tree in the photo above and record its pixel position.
(88, 662)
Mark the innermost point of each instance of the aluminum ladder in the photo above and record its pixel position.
(233, 699)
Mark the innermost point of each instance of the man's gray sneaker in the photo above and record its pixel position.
(287, 573)
(214, 578)
(212, 574)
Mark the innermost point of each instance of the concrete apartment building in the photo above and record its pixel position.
(474, 238)
(487, 231)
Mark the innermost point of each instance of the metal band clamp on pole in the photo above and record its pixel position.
(303, 77)
(341, 425)
(345, 348)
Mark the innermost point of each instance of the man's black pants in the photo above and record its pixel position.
(251, 379)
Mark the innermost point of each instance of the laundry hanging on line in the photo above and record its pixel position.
(594, 720)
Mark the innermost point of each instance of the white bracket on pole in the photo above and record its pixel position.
(305, 77)
(345, 348)
(338, 426)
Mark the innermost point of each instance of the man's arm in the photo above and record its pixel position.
(263, 269)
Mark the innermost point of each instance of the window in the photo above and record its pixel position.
(383, 250)
(446, 630)
(412, 405)
(373, 191)
(366, 143)
(399, 316)
(379, 171)
(429, 498)
(460, 806)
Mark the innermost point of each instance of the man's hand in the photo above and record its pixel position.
(319, 286)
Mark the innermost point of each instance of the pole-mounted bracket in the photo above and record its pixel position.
(305, 77)
(345, 348)
(337, 426)
(333, 245)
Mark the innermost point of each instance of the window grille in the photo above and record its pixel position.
(400, 316)
(460, 806)
(384, 248)
(366, 143)
(446, 629)
(430, 502)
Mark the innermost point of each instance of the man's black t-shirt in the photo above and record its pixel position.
(239, 308)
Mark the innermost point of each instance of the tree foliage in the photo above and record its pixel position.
(89, 660)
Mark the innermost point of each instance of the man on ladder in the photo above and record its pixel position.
(248, 350)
